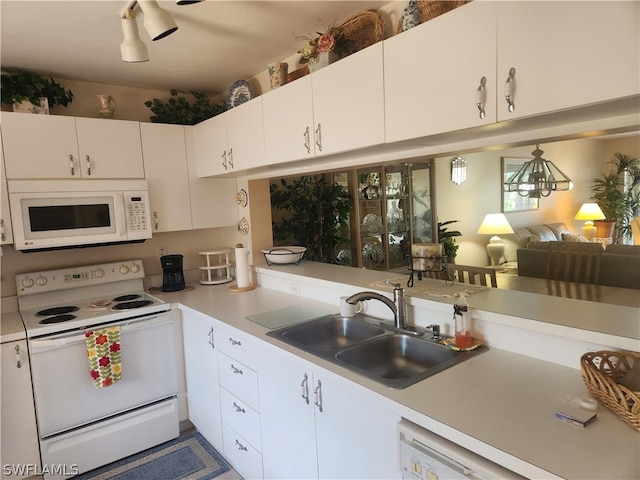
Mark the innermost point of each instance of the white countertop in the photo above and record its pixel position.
(11, 328)
(500, 404)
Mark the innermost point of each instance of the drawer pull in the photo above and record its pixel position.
(236, 370)
(72, 166)
(307, 143)
(240, 446)
(88, 159)
(481, 96)
(510, 89)
(18, 359)
(318, 396)
(238, 408)
(234, 342)
(318, 135)
(211, 338)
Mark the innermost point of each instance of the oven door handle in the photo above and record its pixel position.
(55, 341)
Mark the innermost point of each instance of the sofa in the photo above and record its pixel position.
(619, 264)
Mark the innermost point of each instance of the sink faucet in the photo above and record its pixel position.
(397, 306)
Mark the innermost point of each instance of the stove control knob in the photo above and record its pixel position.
(99, 273)
(124, 269)
(27, 282)
(135, 268)
(41, 281)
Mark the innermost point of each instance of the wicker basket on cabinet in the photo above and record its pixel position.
(363, 29)
(601, 371)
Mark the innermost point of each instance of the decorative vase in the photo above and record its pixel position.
(411, 16)
(27, 107)
(322, 60)
(277, 74)
(107, 105)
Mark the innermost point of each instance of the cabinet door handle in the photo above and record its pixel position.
(224, 159)
(2, 234)
(510, 89)
(304, 388)
(238, 408)
(317, 393)
(307, 143)
(156, 223)
(234, 342)
(230, 159)
(319, 137)
(88, 160)
(236, 370)
(72, 165)
(481, 96)
(18, 358)
(211, 338)
(240, 446)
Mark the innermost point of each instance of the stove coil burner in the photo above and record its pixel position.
(57, 319)
(57, 311)
(131, 305)
(126, 298)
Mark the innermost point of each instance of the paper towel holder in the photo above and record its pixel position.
(235, 288)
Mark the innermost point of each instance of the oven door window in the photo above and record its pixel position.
(48, 218)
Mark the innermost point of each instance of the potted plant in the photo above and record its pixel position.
(617, 193)
(20, 86)
(178, 110)
(315, 215)
(448, 241)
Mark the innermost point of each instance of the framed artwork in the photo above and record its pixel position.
(513, 201)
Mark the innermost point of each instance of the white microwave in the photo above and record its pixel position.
(54, 214)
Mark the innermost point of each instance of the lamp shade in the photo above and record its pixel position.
(590, 211)
(495, 224)
(132, 49)
(158, 22)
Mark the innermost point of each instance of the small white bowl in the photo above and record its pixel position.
(284, 255)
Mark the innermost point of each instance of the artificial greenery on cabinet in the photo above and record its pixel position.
(20, 85)
(178, 110)
(313, 213)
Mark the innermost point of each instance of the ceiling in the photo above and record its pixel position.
(217, 42)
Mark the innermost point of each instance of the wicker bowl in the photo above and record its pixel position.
(600, 371)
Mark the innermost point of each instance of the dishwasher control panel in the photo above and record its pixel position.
(427, 456)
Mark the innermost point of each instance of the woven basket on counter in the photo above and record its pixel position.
(363, 29)
(432, 8)
(601, 371)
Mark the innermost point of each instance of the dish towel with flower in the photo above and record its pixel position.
(105, 359)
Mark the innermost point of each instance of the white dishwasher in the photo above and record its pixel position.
(427, 456)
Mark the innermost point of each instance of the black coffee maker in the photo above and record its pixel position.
(172, 274)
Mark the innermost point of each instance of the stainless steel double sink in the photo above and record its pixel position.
(364, 345)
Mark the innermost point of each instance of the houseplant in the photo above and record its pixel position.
(618, 195)
(448, 241)
(315, 215)
(21, 85)
(178, 110)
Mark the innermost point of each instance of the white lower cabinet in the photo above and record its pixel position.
(19, 442)
(201, 368)
(314, 428)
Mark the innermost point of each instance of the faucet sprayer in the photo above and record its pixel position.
(397, 306)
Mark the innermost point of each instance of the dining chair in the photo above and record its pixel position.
(574, 263)
(474, 275)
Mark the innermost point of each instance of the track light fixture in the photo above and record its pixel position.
(132, 49)
(157, 21)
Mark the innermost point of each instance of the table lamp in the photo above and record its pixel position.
(495, 224)
(589, 212)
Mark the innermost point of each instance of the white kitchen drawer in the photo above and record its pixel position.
(241, 417)
(241, 454)
(239, 379)
(237, 345)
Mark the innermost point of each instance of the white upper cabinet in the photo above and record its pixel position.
(109, 148)
(336, 109)
(6, 233)
(165, 166)
(230, 142)
(56, 146)
(566, 54)
(348, 103)
(441, 76)
(288, 122)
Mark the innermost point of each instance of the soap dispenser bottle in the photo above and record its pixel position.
(462, 321)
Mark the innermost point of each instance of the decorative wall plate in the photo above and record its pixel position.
(242, 198)
(240, 92)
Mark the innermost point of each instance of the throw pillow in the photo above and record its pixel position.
(568, 237)
(532, 239)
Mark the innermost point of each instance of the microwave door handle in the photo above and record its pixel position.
(122, 216)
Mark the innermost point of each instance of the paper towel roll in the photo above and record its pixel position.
(242, 266)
